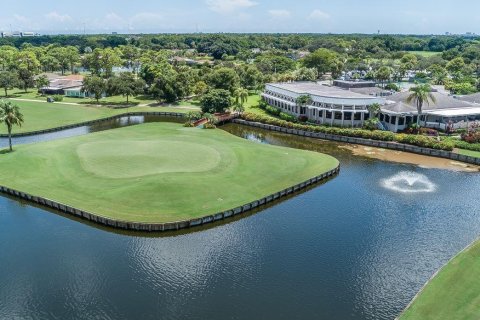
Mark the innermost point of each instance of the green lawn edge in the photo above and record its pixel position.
(453, 292)
(59, 185)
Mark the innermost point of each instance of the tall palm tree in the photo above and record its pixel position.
(241, 96)
(303, 101)
(420, 94)
(10, 115)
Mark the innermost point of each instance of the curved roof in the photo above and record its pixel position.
(315, 89)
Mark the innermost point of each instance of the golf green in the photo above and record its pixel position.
(157, 172)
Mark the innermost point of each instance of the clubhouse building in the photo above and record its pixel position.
(346, 105)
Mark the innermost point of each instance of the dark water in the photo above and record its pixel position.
(348, 249)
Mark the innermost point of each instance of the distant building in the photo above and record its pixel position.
(329, 105)
(348, 107)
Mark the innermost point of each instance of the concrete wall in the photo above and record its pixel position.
(366, 142)
(177, 225)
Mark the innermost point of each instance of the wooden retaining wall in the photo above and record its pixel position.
(367, 142)
(86, 123)
(177, 225)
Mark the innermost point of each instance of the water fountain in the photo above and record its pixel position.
(409, 182)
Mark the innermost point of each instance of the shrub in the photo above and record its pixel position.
(371, 124)
(392, 86)
(272, 110)
(418, 140)
(287, 117)
(188, 124)
(209, 125)
(58, 98)
(302, 118)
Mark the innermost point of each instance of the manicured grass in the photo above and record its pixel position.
(42, 115)
(157, 172)
(454, 293)
(113, 100)
(425, 54)
(469, 153)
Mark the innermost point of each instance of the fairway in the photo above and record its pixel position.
(42, 115)
(157, 172)
(453, 293)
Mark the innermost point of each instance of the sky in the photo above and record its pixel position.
(291, 16)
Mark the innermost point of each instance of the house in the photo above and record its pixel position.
(70, 86)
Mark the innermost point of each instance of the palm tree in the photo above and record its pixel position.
(41, 83)
(210, 118)
(239, 108)
(420, 94)
(373, 109)
(10, 115)
(302, 101)
(241, 96)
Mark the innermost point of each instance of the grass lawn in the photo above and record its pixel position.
(157, 172)
(454, 293)
(425, 54)
(469, 153)
(113, 100)
(42, 115)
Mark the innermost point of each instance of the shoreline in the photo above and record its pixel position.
(366, 142)
(174, 225)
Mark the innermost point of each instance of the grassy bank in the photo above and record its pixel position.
(157, 172)
(41, 115)
(454, 293)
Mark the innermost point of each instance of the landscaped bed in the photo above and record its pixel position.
(157, 172)
(453, 293)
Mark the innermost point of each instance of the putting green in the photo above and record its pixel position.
(157, 172)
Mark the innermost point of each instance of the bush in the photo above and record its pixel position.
(209, 125)
(272, 110)
(371, 124)
(58, 98)
(287, 117)
(188, 124)
(302, 118)
(392, 86)
(418, 140)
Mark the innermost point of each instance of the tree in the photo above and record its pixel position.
(456, 65)
(305, 74)
(324, 60)
(223, 78)
(11, 116)
(420, 94)
(95, 85)
(373, 109)
(42, 82)
(303, 100)
(383, 74)
(26, 78)
(200, 88)
(216, 100)
(241, 96)
(125, 84)
(8, 81)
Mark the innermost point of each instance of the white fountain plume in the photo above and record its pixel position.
(409, 182)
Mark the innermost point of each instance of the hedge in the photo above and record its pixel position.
(416, 140)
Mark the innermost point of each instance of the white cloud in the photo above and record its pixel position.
(319, 15)
(55, 16)
(228, 6)
(280, 14)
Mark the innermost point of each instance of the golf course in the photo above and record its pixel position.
(41, 115)
(453, 292)
(157, 172)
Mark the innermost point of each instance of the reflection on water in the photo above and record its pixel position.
(409, 182)
(343, 250)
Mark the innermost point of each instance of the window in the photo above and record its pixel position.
(347, 116)
(387, 118)
(338, 116)
(357, 116)
(401, 121)
(328, 115)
